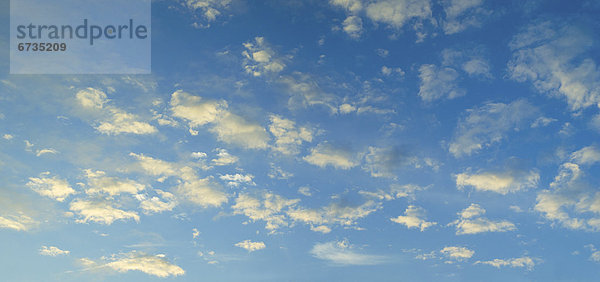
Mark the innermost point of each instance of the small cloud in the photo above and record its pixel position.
(52, 251)
(251, 246)
(342, 254)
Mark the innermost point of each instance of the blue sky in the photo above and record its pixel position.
(342, 140)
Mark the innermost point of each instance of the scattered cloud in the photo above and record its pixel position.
(288, 137)
(55, 188)
(100, 212)
(471, 222)
(500, 182)
(342, 253)
(251, 246)
(522, 262)
(326, 154)
(110, 119)
(488, 124)
(414, 217)
(52, 251)
(156, 265)
(556, 59)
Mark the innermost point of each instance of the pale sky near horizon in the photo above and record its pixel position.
(305, 140)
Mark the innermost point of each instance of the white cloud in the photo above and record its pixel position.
(569, 200)
(55, 188)
(52, 251)
(395, 191)
(46, 151)
(266, 207)
(586, 156)
(155, 265)
(472, 222)
(384, 162)
(200, 191)
(461, 14)
(522, 262)
(224, 158)
(110, 119)
(438, 82)
(325, 154)
(235, 180)
(155, 204)
(20, 222)
(251, 246)
(98, 183)
(555, 58)
(488, 124)
(209, 10)
(261, 59)
(500, 182)
(288, 137)
(100, 212)
(353, 6)
(542, 122)
(341, 253)
(343, 214)
(7, 136)
(304, 92)
(457, 253)
(397, 12)
(414, 217)
(353, 26)
(228, 127)
(305, 190)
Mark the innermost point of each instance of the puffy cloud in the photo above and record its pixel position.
(349, 5)
(438, 82)
(488, 124)
(525, 262)
(228, 127)
(195, 110)
(397, 12)
(100, 212)
(20, 222)
(251, 246)
(395, 191)
(156, 265)
(260, 58)
(55, 188)
(208, 10)
(556, 59)
(542, 122)
(98, 183)
(383, 162)
(155, 204)
(471, 222)
(224, 158)
(341, 253)
(334, 213)
(353, 26)
(325, 154)
(461, 14)
(569, 200)
(457, 253)
(586, 156)
(200, 191)
(288, 137)
(236, 179)
(414, 217)
(111, 120)
(500, 182)
(266, 207)
(52, 251)
(304, 92)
